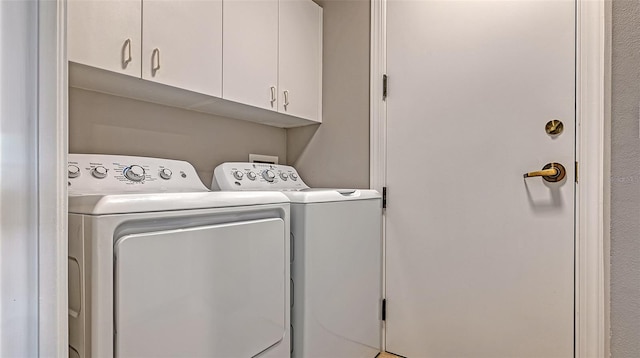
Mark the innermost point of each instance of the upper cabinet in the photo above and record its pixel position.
(250, 52)
(105, 34)
(182, 44)
(257, 60)
(300, 59)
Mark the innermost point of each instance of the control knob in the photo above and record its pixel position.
(284, 176)
(238, 175)
(165, 174)
(99, 172)
(293, 176)
(269, 175)
(134, 173)
(73, 171)
(251, 175)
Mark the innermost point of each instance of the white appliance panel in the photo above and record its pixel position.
(216, 290)
(239, 176)
(113, 174)
(337, 275)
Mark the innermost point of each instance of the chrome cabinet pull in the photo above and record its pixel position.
(286, 99)
(273, 95)
(126, 53)
(155, 61)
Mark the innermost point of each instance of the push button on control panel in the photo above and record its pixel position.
(165, 174)
(238, 175)
(269, 175)
(134, 173)
(99, 172)
(73, 171)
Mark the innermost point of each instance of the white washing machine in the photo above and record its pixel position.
(336, 260)
(161, 267)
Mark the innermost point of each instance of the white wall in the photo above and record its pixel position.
(18, 180)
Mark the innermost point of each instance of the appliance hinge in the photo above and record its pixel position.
(384, 87)
(576, 172)
(384, 197)
(384, 309)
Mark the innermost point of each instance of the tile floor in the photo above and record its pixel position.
(387, 355)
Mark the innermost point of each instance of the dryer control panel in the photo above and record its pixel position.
(102, 174)
(256, 176)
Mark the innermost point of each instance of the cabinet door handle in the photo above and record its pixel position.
(286, 99)
(273, 95)
(155, 61)
(126, 53)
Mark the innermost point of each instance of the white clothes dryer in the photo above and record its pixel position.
(161, 267)
(336, 260)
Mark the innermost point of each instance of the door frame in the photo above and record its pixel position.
(592, 154)
(51, 163)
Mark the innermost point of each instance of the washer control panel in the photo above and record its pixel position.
(101, 173)
(256, 176)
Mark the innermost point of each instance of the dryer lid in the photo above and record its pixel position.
(156, 202)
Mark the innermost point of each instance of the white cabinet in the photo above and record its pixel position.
(105, 34)
(235, 58)
(272, 53)
(250, 52)
(300, 59)
(182, 44)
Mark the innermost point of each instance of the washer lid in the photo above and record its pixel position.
(140, 203)
(330, 195)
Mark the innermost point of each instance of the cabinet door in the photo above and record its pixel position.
(250, 52)
(300, 62)
(105, 34)
(182, 44)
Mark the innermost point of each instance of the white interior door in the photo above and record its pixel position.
(186, 36)
(480, 261)
(213, 291)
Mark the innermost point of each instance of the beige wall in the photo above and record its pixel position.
(625, 180)
(101, 123)
(336, 153)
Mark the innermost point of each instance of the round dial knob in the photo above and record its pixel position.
(238, 175)
(284, 176)
(99, 172)
(294, 176)
(165, 174)
(73, 171)
(134, 173)
(251, 175)
(269, 175)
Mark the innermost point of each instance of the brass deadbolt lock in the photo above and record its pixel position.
(554, 127)
(552, 172)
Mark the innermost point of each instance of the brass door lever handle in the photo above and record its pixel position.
(552, 172)
(542, 173)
